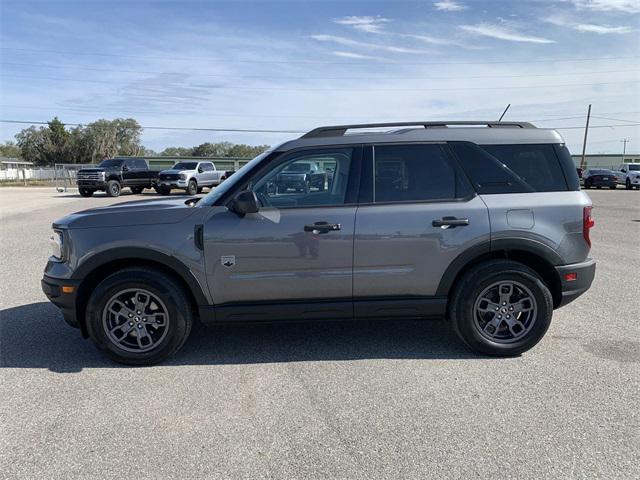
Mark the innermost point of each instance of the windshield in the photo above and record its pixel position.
(228, 184)
(185, 166)
(634, 168)
(601, 172)
(111, 163)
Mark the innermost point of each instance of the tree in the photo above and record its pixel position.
(10, 150)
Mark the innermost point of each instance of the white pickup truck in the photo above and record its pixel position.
(628, 174)
(191, 176)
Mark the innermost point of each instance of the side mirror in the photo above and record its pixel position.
(200, 170)
(624, 170)
(124, 168)
(245, 202)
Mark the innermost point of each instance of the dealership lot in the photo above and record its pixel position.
(393, 399)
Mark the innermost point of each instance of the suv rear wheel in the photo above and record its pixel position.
(501, 308)
(138, 316)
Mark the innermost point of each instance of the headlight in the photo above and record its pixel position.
(55, 243)
(183, 176)
(102, 175)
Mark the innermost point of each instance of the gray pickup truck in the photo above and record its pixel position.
(483, 224)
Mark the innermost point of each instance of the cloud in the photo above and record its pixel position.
(339, 53)
(503, 32)
(560, 21)
(370, 46)
(449, 6)
(441, 42)
(628, 6)
(364, 24)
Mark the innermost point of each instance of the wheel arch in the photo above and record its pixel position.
(100, 266)
(534, 255)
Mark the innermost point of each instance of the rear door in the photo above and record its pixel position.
(296, 251)
(417, 214)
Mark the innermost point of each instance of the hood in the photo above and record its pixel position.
(174, 171)
(139, 212)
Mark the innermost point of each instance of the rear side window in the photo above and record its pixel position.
(405, 173)
(141, 164)
(512, 168)
(537, 165)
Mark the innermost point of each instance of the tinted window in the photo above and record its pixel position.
(600, 172)
(634, 168)
(141, 164)
(185, 166)
(111, 163)
(293, 183)
(404, 173)
(207, 167)
(537, 165)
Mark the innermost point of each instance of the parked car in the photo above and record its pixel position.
(600, 178)
(302, 177)
(484, 226)
(628, 174)
(114, 174)
(190, 176)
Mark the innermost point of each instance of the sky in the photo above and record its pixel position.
(294, 65)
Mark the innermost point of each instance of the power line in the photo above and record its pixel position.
(321, 62)
(297, 89)
(294, 77)
(251, 130)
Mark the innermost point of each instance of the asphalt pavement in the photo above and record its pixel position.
(351, 400)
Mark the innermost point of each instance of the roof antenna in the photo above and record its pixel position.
(504, 113)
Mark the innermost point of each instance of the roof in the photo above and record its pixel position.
(479, 132)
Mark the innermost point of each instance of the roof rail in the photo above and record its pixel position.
(340, 130)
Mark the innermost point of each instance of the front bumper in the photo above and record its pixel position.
(66, 302)
(584, 274)
(94, 184)
(172, 183)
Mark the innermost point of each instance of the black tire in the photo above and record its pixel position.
(192, 187)
(113, 188)
(199, 190)
(627, 184)
(163, 190)
(613, 187)
(85, 192)
(598, 187)
(137, 190)
(179, 316)
(467, 294)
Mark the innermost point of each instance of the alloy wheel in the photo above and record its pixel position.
(135, 320)
(505, 311)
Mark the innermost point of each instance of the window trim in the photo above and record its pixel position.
(369, 174)
(353, 183)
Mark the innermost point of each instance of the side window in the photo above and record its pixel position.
(306, 179)
(486, 172)
(207, 167)
(403, 173)
(537, 165)
(140, 164)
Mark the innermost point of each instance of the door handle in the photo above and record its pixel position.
(450, 222)
(322, 227)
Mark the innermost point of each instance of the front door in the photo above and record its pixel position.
(293, 258)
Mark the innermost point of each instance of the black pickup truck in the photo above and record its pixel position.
(302, 176)
(113, 174)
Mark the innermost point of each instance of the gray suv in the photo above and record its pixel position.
(482, 223)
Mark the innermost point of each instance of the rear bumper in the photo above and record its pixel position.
(66, 302)
(584, 274)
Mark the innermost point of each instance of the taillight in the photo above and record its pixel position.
(587, 224)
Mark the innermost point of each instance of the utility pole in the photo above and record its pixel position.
(584, 144)
(624, 147)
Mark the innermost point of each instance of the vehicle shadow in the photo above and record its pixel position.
(35, 336)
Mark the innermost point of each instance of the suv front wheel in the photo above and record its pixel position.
(138, 316)
(501, 308)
